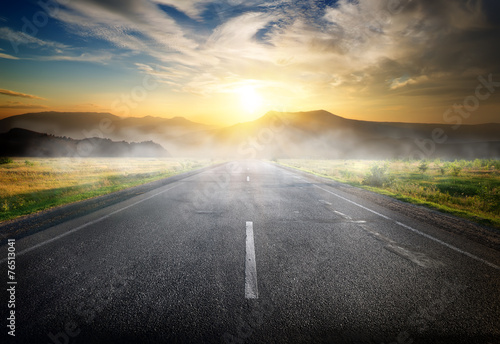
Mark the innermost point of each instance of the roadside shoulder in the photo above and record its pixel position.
(484, 235)
(34, 223)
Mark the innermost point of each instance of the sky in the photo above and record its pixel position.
(230, 61)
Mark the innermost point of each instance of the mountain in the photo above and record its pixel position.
(82, 125)
(22, 142)
(318, 134)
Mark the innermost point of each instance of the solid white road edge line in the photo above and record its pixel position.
(251, 290)
(470, 255)
(20, 253)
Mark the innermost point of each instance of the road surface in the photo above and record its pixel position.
(250, 252)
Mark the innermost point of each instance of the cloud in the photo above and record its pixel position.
(136, 25)
(89, 105)
(404, 81)
(19, 105)
(370, 45)
(192, 8)
(57, 51)
(84, 57)
(8, 57)
(236, 38)
(18, 37)
(18, 94)
(221, 10)
(362, 48)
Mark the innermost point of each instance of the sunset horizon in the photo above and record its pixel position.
(227, 62)
(206, 120)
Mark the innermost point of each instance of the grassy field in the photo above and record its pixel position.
(32, 185)
(470, 189)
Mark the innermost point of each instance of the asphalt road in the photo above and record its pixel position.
(248, 252)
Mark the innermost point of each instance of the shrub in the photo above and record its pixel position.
(346, 174)
(495, 164)
(477, 164)
(29, 163)
(5, 160)
(455, 170)
(490, 198)
(378, 176)
(424, 166)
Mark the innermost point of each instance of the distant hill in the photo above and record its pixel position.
(318, 134)
(22, 142)
(82, 125)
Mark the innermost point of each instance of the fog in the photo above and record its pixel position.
(314, 134)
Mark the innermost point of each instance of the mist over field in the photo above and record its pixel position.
(315, 134)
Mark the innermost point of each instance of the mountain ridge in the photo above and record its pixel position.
(277, 134)
(78, 124)
(26, 143)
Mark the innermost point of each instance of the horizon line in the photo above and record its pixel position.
(236, 123)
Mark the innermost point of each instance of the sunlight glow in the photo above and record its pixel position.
(251, 100)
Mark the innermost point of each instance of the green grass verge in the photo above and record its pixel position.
(42, 184)
(463, 196)
(42, 200)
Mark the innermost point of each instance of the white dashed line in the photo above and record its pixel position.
(342, 214)
(248, 178)
(416, 231)
(251, 290)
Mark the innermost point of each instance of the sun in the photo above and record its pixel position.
(250, 99)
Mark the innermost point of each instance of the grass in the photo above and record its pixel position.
(469, 189)
(32, 185)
